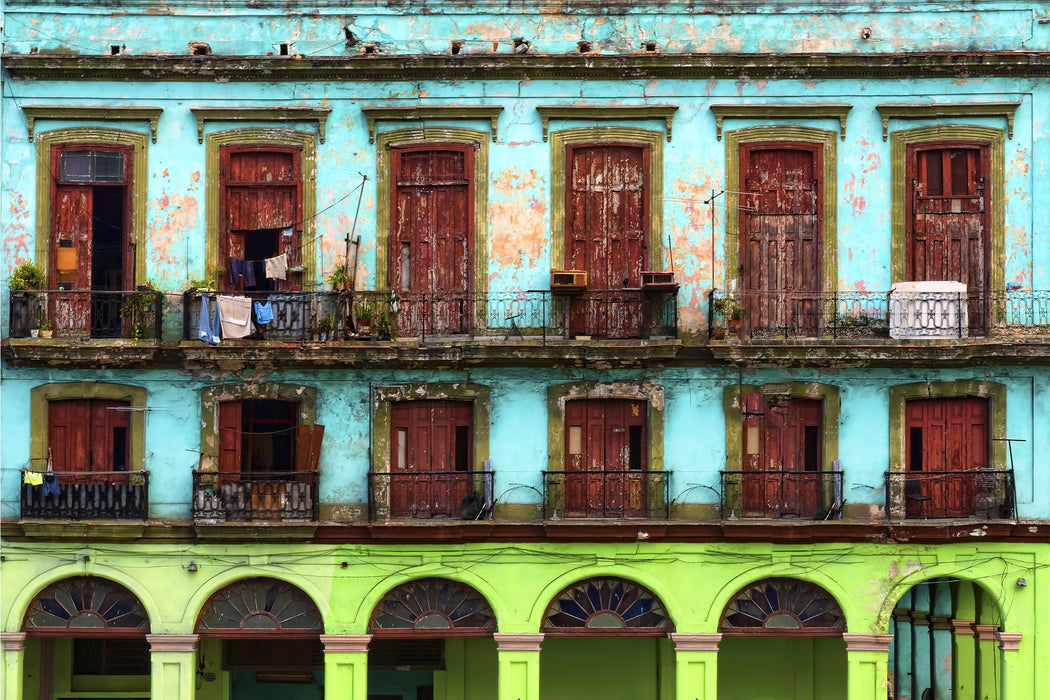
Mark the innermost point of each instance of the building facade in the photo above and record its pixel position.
(502, 350)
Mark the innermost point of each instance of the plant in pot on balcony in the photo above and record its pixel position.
(136, 309)
(45, 329)
(26, 279)
(730, 312)
(326, 327)
(340, 279)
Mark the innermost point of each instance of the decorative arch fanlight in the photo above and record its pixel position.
(783, 607)
(434, 606)
(606, 606)
(260, 606)
(86, 606)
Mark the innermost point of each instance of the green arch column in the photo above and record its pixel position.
(867, 662)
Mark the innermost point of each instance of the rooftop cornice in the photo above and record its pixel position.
(384, 68)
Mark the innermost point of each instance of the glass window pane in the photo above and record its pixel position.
(76, 166)
(109, 167)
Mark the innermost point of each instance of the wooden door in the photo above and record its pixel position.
(431, 453)
(89, 435)
(607, 233)
(782, 457)
(948, 220)
(261, 209)
(781, 246)
(605, 458)
(945, 439)
(431, 243)
(88, 242)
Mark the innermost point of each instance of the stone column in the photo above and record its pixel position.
(987, 662)
(519, 666)
(867, 660)
(14, 655)
(1008, 643)
(346, 665)
(964, 660)
(696, 665)
(173, 666)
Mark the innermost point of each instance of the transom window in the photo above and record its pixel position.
(260, 605)
(606, 606)
(434, 605)
(92, 166)
(783, 606)
(87, 605)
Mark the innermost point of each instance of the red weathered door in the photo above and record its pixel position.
(431, 452)
(605, 458)
(261, 210)
(607, 233)
(782, 457)
(946, 439)
(948, 220)
(781, 246)
(431, 243)
(89, 435)
(88, 242)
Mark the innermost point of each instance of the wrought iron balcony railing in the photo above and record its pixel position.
(978, 493)
(1015, 313)
(772, 494)
(606, 494)
(524, 315)
(231, 497)
(86, 495)
(413, 495)
(87, 314)
(296, 316)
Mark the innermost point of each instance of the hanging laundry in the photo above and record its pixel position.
(263, 312)
(51, 486)
(236, 316)
(207, 326)
(242, 268)
(277, 268)
(33, 478)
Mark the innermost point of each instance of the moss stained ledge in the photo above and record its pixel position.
(382, 68)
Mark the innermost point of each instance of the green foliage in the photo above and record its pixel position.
(727, 308)
(27, 276)
(138, 307)
(340, 278)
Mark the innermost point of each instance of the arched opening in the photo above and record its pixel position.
(792, 630)
(88, 635)
(260, 637)
(945, 642)
(432, 637)
(606, 637)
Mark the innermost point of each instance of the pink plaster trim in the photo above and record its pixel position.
(867, 642)
(962, 628)
(345, 643)
(518, 642)
(1008, 641)
(13, 641)
(985, 633)
(695, 642)
(185, 643)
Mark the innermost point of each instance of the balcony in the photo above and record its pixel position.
(406, 495)
(985, 494)
(772, 494)
(86, 496)
(606, 494)
(87, 314)
(267, 497)
(865, 317)
(536, 315)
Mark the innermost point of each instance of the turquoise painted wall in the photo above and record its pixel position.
(694, 440)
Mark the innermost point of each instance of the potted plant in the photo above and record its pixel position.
(363, 311)
(45, 329)
(730, 312)
(326, 326)
(340, 279)
(136, 309)
(25, 281)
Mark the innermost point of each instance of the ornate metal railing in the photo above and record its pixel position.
(977, 493)
(623, 313)
(606, 494)
(426, 495)
(221, 497)
(87, 314)
(874, 315)
(803, 495)
(296, 316)
(85, 495)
